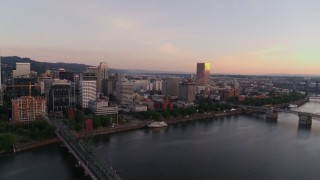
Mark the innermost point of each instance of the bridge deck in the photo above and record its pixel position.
(82, 163)
(94, 166)
(281, 110)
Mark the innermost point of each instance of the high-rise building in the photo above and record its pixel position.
(124, 91)
(103, 83)
(27, 109)
(101, 72)
(22, 70)
(61, 96)
(203, 74)
(157, 85)
(87, 92)
(170, 87)
(187, 91)
(107, 87)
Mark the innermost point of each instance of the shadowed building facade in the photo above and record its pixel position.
(187, 91)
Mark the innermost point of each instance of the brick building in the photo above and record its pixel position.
(27, 109)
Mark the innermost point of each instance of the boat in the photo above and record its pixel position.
(158, 124)
(292, 106)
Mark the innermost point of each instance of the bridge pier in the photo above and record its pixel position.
(271, 114)
(305, 119)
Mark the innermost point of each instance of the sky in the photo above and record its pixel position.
(235, 36)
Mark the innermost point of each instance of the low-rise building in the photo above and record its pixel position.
(102, 107)
(138, 108)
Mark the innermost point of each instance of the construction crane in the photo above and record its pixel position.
(25, 85)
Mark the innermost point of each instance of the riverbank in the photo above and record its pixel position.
(298, 103)
(35, 144)
(198, 116)
(132, 125)
(138, 124)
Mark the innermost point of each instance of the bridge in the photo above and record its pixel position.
(305, 118)
(93, 165)
(314, 97)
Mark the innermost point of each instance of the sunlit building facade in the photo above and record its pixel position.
(203, 74)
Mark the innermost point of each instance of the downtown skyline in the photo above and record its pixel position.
(237, 37)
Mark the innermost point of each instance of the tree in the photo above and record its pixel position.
(6, 141)
(182, 111)
(155, 115)
(87, 111)
(96, 122)
(105, 121)
(79, 116)
(4, 114)
(165, 114)
(174, 112)
(121, 119)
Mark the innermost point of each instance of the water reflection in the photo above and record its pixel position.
(234, 147)
(304, 131)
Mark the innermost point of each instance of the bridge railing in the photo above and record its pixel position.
(314, 115)
(97, 165)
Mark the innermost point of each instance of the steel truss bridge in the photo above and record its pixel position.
(264, 109)
(93, 165)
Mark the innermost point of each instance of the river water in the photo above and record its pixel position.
(235, 147)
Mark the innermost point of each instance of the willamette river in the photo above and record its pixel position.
(235, 147)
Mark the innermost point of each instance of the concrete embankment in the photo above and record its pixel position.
(125, 127)
(31, 145)
(117, 128)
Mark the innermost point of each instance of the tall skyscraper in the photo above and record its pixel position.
(87, 88)
(203, 74)
(124, 92)
(102, 72)
(102, 77)
(87, 92)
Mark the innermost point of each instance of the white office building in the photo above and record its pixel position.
(22, 70)
(88, 91)
(102, 107)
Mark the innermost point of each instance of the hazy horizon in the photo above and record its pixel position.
(249, 37)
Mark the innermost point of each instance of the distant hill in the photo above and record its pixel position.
(9, 64)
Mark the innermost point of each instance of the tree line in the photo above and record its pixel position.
(11, 133)
(80, 116)
(273, 99)
(203, 107)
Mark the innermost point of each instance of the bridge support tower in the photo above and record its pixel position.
(271, 114)
(305, 119)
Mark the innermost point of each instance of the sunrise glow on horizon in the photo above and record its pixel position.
(234, 36)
